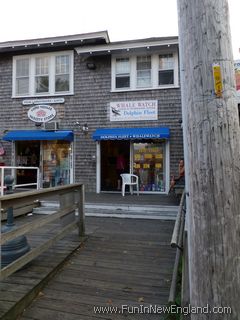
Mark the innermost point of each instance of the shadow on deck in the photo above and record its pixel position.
(124, 262)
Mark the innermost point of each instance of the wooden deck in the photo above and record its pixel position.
(123, 262)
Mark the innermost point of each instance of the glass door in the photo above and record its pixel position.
(149, 165)
(56, 163)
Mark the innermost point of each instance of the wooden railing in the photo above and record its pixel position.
(71, 198)
(178, 241)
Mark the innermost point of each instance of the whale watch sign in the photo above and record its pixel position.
(41, 113)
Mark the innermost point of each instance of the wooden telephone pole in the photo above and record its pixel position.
(212, 136)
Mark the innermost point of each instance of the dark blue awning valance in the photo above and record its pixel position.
(131, 133)
(24, 135)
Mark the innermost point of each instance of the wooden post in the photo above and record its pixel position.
(81, 211)
(212, 135)
(66, 200)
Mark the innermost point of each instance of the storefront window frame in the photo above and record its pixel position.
(167, 167)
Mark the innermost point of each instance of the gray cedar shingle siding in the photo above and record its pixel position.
(90, 104)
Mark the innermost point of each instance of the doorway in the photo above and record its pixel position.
(27, 155)
(111, 165)
(52, 157)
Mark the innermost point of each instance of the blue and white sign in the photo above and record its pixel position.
(134, 110)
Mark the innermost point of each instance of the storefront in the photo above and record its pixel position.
(144, 152)
(51, 151)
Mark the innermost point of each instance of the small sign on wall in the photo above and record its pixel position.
(134, 110)
(217, 79)
(41, 113)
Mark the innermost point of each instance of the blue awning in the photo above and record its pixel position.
(131, 133)
(24, 135)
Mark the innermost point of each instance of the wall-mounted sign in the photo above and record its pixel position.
(41, 113)
(134, 110)
(237, 75)
(28, 102)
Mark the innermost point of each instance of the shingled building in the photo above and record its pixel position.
(71, 105)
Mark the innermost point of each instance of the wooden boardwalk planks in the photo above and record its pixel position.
(18, 290)
(124, 262)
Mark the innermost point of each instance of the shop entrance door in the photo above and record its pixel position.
(27, 155)
(56, 165)
(115, 159)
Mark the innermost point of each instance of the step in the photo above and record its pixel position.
(117, 210)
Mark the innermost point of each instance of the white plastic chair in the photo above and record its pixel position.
(130, 180)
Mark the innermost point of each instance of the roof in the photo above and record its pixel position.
(130, 45)
(92, 38)
(96, 43)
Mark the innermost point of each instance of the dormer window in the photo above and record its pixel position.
(43, 74)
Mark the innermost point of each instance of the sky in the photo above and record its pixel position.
(124, 20)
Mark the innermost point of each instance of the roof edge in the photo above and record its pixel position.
(134, 44)
(74, 37)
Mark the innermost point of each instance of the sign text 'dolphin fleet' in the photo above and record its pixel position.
(134, 110)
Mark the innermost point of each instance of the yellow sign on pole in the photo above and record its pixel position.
(217, 78)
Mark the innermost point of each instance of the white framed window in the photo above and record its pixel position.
(145, 71)
(43, 74)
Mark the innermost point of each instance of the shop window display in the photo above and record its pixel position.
(149, 165)
(56, 163)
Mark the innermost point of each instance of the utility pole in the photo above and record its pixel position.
(212, 137)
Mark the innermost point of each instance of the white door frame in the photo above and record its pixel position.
(98, 167)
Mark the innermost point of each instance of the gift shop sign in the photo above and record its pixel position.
(134, 110)
(41, 113)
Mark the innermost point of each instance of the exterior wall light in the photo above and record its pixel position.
(91, 66)
(85, 128)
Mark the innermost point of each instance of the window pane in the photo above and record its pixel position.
(149, 165)
(41, 66)
(166, 69)
(22, 68)
(62, 64)
(62, 67)
(22, 85)
(22, 76)
(62, 83)
(122, 73)
(123, 82)
(41, 84)
(144, 63)
(165, 77)
(144, 71)
(122, 65)
(166, 61)
(41, 75)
